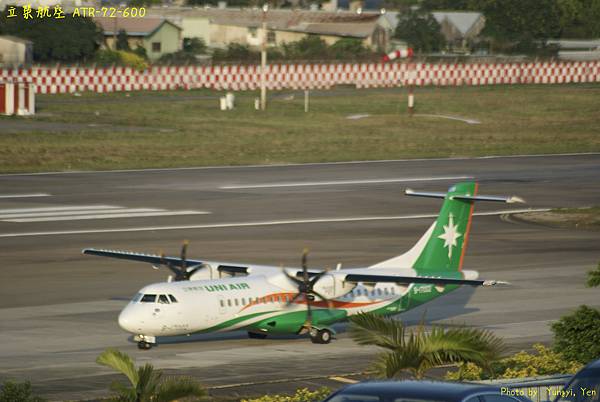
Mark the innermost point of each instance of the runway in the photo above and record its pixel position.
(59, 307)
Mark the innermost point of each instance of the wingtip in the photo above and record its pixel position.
(496, 283)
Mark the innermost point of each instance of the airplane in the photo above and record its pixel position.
(210, 296)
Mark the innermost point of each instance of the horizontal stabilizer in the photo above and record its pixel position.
(510, 200)
(404, 279)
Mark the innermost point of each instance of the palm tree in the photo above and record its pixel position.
(417, 351)
(146, 384)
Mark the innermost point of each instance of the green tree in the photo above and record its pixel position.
(194, 46)
(311, 47)
(122, 41)
(65, 40)
(444, 5)
(146, 384)
(18, 392)
(421, 32)
(579, 19)
(349, 49)
(577, 335)
(418, 351)
(519, 25)
(594, 278)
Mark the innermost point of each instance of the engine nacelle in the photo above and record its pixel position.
(204, 272)
(332, 286)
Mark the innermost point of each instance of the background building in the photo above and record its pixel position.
(15, 52)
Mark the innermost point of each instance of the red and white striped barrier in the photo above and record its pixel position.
(301, 76)
(399, 54)
(17, 98)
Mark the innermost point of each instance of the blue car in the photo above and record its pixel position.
(423, 391)
(584, 386)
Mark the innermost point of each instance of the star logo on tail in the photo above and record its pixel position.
(450, 235)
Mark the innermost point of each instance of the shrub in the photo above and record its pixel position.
(544, 362)
(594, 278)
(110, 57)
(301, 395)
(17, 392)
(577, 335)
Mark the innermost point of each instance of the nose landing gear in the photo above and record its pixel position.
(145, 342)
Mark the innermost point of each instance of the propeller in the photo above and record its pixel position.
(181, 273)
(306, 290)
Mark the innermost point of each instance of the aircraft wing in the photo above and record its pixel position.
(402, 279)
(160, 260)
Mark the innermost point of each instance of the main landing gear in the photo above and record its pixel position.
(256, 335)
(143, 345)
(322, 336)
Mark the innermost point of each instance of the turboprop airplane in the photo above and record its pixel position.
(209, 296)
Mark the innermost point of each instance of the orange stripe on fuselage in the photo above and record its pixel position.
(335, 303)
(468, 231)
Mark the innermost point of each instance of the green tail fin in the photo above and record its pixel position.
(445, 249)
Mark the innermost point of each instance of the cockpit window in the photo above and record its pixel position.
(148, 299)
(136, 298)
(163, 299)
(173, 299)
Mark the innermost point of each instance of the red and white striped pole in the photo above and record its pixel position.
(405, 54)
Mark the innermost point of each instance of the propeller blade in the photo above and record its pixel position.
(304, 265)
(184, 254)
(296, 297)
(291, 278)
(329, 302)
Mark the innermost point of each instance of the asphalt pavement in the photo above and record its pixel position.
(60, 307)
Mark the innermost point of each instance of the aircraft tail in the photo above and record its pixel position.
(442, 248)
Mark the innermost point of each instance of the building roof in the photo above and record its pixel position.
(463, 21)
(15, 39)
(343, 23)
(133, 26)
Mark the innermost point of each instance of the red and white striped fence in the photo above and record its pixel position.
(301, 76)
(17, 97)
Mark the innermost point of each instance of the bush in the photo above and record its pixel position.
(577, 336)
(18, 392)
(544, 362)
(594, 278)
(301, 395)
(422, 32)
(108, 57)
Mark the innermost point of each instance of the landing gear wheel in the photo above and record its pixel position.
(144, 345)
(256, 335)
(322, 336)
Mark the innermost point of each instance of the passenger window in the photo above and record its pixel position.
(386, 291)
(163, 299)
(236, 302)
(229, 302)
(222, 303)
(148, 299)
(243, 301)
(379, 292)
(393, 291)
(257, 300)
(173, 299)
(278, 299)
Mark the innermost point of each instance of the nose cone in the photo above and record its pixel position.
(127, 320)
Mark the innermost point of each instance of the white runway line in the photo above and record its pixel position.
(107, 216)
(48, 209)
(74, 213)
(264, 223)
(25, 195)
(344, 182)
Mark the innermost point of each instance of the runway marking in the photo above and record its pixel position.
(84, 212)
(25, 195)
(63, 208)
(442, 116)
(279, 165)
(264, 223)
(343, 182)
(344, 380)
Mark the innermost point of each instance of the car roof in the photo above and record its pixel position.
(433, 390)
(594, 364)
